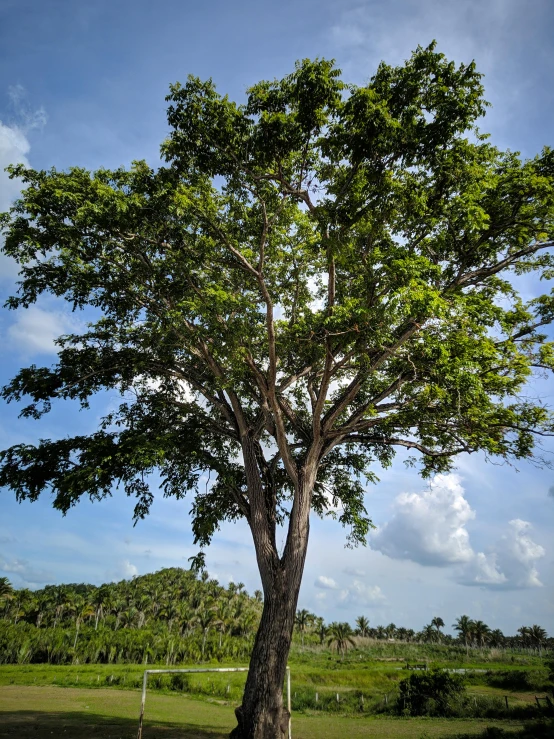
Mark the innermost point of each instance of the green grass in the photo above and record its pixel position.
(363, 687)
(77, 713)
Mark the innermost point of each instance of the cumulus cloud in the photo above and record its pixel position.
(429, 527)
(511, 564)
(123, 571)
(360, 594)
(26, 572)
(325, 582)
(14, 148)
(36, 329)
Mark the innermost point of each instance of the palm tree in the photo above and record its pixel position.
(223, 618)
(6, 591)
(438, 623)
(363, 626)
(497, 638)
(525, 636)
(320, 629)
(464, 627)
(480, 632)
(62, 599)
(340, 634)
(429, 634)
(538, 635)
(390, 631)
(83, 610)
(302, 621)
(205, 619)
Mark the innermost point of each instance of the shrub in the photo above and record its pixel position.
(429, 693)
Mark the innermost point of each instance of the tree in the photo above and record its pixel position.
(341, 635)
(321, 629)
(429, 634)
(497, 638)
(312, 281)
(480, 632)
(362, 626)
(464, 626)
(6, 592)
(438, 623)
(303, 620)
(538, 636)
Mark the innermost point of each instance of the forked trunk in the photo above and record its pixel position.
(263, 714)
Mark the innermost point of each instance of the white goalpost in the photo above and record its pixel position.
(205, 669)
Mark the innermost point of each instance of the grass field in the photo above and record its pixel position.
(43, 712)
(376, 682)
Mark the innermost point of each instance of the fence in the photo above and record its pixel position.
(206, 669)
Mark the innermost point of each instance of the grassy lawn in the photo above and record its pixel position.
(74, 713)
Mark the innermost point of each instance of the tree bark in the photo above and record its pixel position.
(262, 714)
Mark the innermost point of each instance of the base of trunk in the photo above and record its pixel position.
(273, 726)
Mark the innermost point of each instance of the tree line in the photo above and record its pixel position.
(469, 632)
(175, 615)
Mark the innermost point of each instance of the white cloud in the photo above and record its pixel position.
(511, 564)
(429, 527)
(35, 329)
(325, 582)
(28, 119)
(360, 594)
(124, 570)
(14, 147)
(482, 569)
(24, 570)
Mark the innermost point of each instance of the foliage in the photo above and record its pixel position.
(168, 616)
(430, 692)
(315, 278)
(340, 635)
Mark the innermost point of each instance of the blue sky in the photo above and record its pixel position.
(84, 84)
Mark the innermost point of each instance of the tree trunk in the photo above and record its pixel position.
(76, 633)
(262, 714)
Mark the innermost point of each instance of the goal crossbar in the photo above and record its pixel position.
(202, 669)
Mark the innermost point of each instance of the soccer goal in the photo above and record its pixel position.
(203, 669)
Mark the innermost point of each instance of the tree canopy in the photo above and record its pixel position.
(313, 279)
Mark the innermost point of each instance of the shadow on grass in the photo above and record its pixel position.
(74, 725)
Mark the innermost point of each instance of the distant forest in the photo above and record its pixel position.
(175, 616)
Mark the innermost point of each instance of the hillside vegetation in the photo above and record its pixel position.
(174, 616)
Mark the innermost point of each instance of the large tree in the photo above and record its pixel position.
(313, 279)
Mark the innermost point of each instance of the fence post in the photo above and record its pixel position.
(143, 701)
(288, 701)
